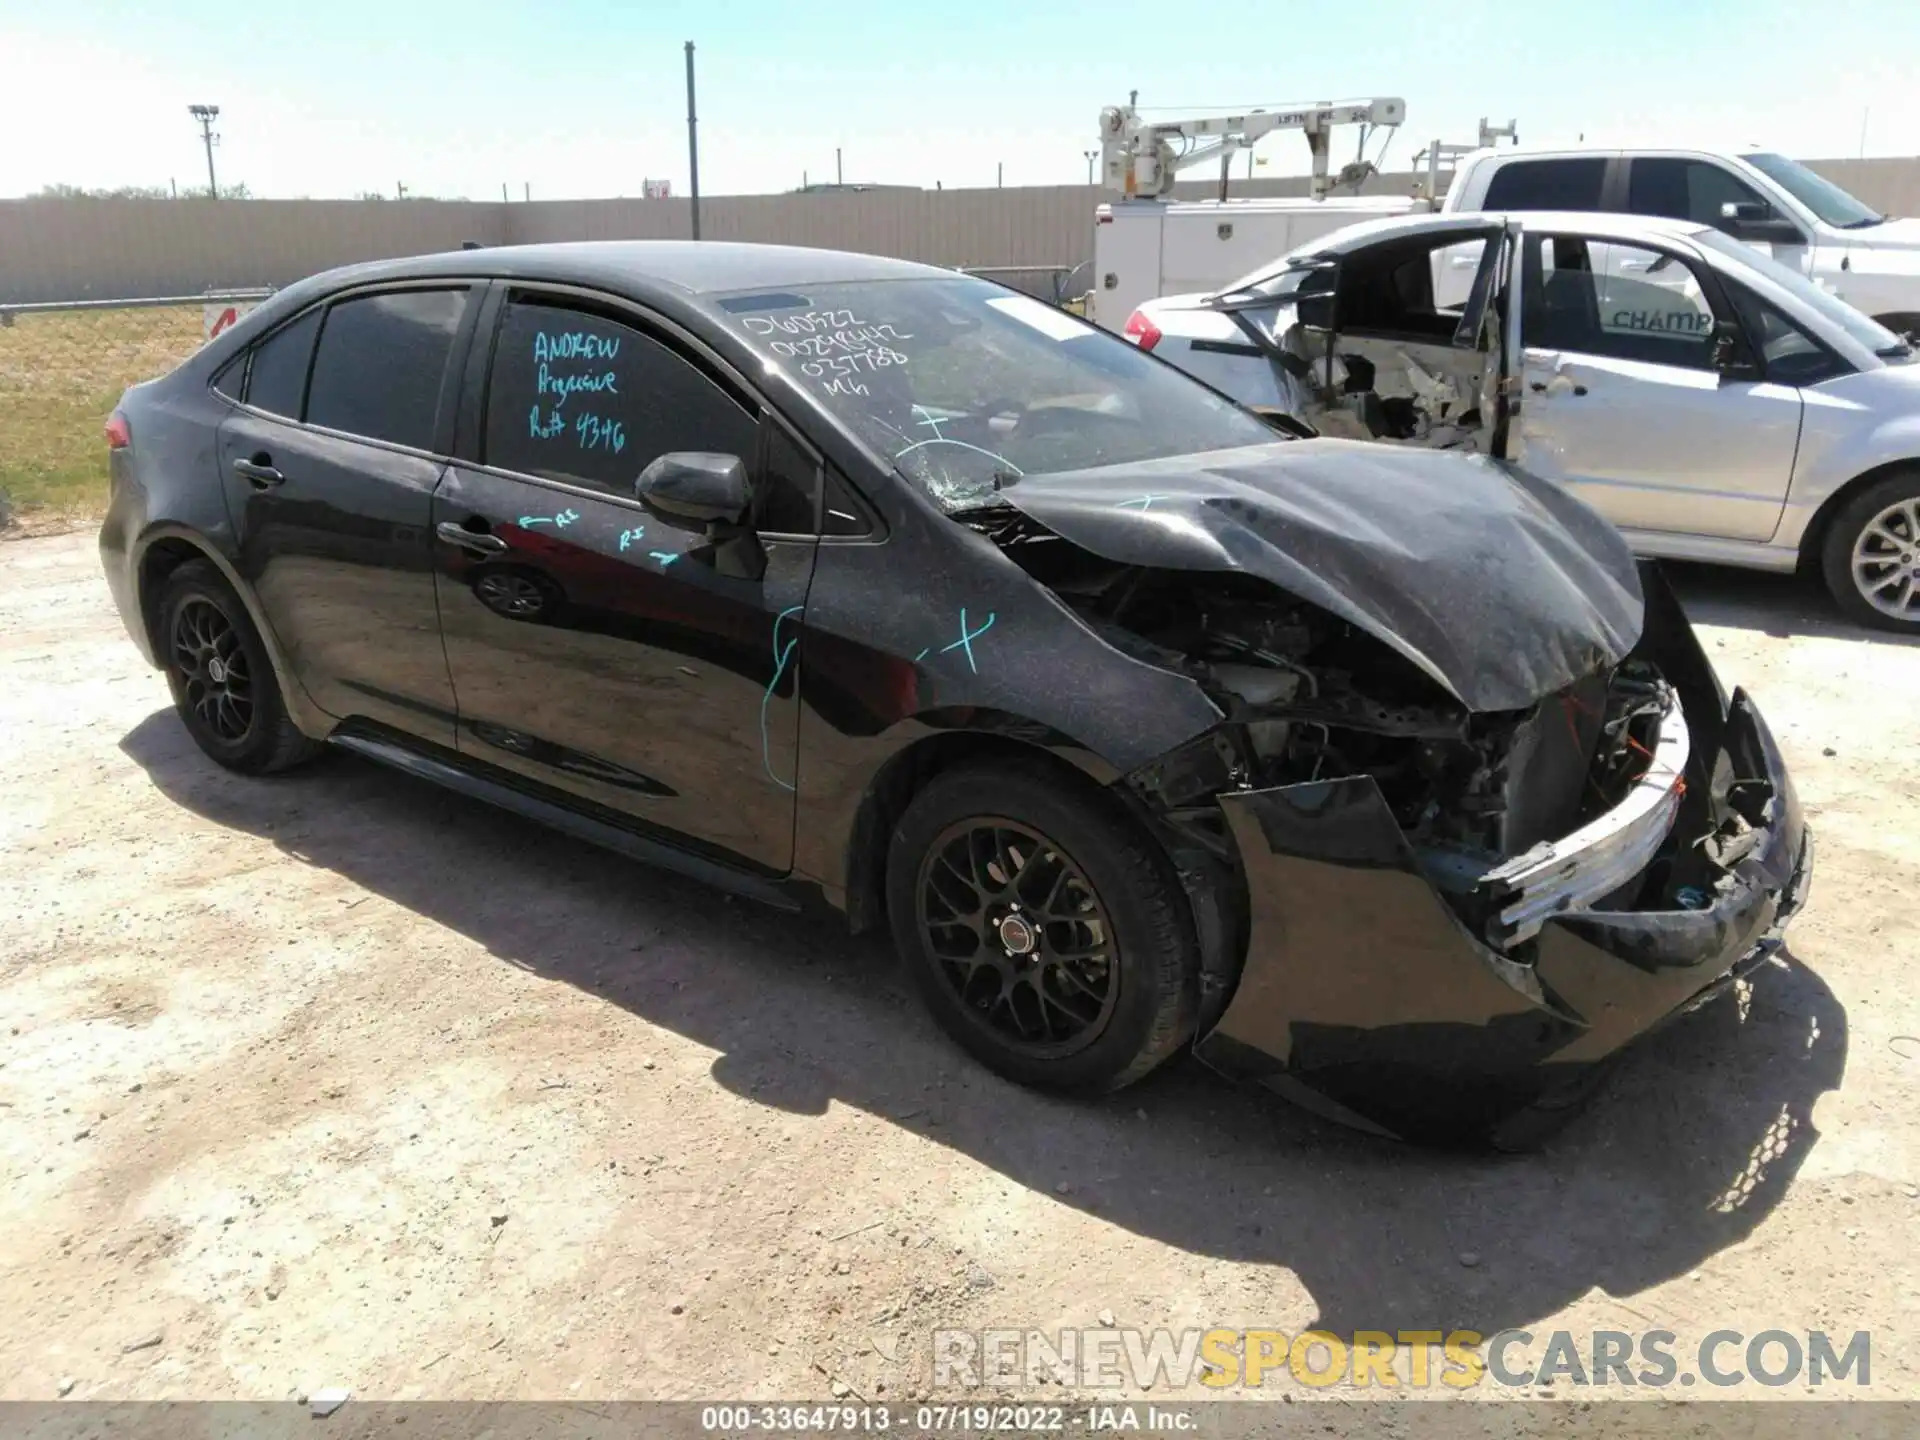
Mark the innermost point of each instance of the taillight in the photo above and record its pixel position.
(119, 433)
(1142, 331)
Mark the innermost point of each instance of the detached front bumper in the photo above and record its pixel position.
(1366, 998)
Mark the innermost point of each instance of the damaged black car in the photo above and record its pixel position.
(1387, 778)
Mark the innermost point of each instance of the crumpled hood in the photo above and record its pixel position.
(1500, 586)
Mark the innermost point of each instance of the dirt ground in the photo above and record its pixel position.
(337, 1080)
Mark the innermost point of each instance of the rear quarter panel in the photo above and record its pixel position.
(166, 482)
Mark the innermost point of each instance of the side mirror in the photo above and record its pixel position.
(1757, 220)
(699, 490)
(1731, 357)
(693, 489)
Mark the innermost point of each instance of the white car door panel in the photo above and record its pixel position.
(1659, 447)
(1620, 400)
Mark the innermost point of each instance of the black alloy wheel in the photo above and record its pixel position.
(217, 675)
(1019, 934)
(221, 674)
(1044, 927)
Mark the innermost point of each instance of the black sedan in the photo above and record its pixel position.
(1384, 776)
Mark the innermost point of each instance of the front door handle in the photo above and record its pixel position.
(472, 541)
(1540, 387)
(258, 473)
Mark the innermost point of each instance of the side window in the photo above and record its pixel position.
(1788, 355)
(1624, 302)
(277, 375)
(1389, 289)
(1571, 184)
(380, 363)
(842, 514)
(1684, 189)
(576, 396)
(788, 488)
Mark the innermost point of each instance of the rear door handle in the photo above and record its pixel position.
(472, 541)
(1540, 387)
(258, 474)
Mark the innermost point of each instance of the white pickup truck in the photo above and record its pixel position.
(1144, 249)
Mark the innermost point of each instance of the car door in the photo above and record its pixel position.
(1522, 183)
(595, 648)
(329, 463)
(1625, 403)
(1686, 188)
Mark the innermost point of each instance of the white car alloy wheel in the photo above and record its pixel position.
(1886, 560)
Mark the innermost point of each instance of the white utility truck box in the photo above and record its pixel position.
(1143, 249)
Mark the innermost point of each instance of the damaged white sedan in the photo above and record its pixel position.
(1712, 403)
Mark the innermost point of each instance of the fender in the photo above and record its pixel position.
(313, 722)
(846, 854)
(1837, 452)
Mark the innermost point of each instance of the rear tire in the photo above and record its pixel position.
(1044, 929)
(1870, 557)
(222, 678)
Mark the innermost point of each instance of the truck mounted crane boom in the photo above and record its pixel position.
(1139, 159)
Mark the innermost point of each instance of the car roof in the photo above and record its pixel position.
(690, 267)
(1592, 222)
(675, 277)
(1602, 224)
(1549, 151)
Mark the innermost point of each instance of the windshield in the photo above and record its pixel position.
(1825, 199)
(1835, 311)
(963, 384)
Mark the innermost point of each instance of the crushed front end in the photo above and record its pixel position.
(1452, 919)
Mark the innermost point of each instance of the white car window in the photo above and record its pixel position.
(1625, 302)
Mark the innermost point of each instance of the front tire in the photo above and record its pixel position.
(1871, 555)
(222, 679)
(1044, 929)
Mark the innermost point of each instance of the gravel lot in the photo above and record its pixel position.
(334, 1079)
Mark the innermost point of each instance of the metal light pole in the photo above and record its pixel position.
(1092, 155)
(206, 115)
(693, 147)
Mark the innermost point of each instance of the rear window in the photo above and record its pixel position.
(277, 377)
(380, 364)
(1572, 184)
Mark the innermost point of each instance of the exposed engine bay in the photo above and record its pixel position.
(1480, 797)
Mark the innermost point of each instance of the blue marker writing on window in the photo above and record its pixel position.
(593, 433)
(544, 429)
(627, 537)
(575, 345)
(561, 386)
(665, 557)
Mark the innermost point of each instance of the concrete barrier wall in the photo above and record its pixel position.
(116, 249)
(113, 249)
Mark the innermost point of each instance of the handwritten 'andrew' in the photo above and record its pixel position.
(575, 345)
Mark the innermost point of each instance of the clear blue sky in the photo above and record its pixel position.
(332, 97)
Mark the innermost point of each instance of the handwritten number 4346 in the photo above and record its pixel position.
(590, 431)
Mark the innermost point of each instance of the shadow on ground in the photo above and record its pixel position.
(1776, 605)
(1691, 1143)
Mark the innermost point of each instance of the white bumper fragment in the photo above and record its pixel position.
(1583, 868)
